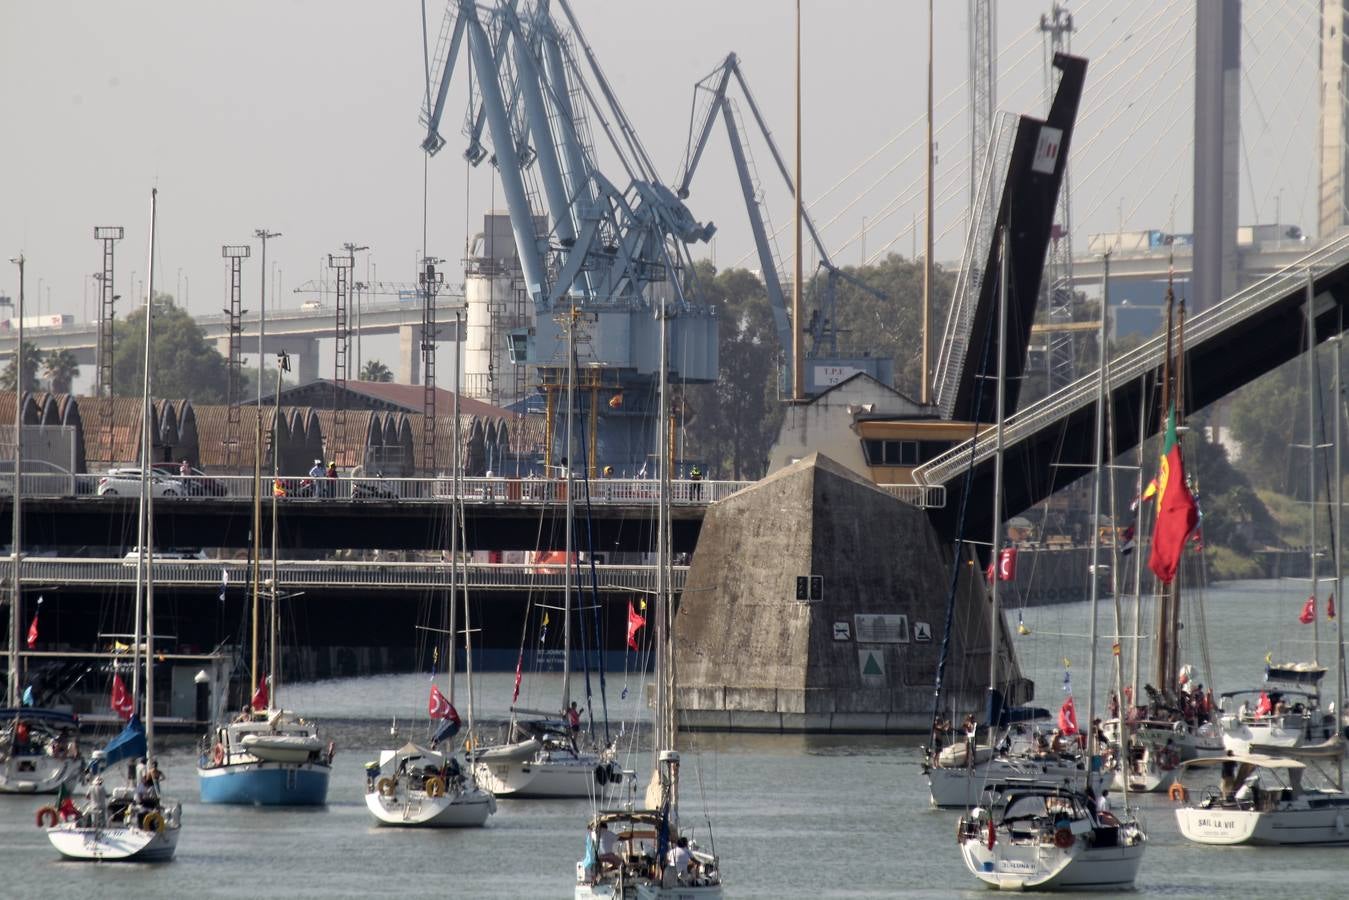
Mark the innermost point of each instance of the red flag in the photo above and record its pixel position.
(32, 633)
(519, 661)
(121, 701)
(1177, 513)
(1007, 564)
(635, 622)
(438, 707)
(1308, 614)
(988, 573)
(261, 697)
(1330, 607)
(1068, 716)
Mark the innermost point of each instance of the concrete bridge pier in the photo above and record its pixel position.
(409, 369)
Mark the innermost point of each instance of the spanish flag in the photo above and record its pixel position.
(1177, 514)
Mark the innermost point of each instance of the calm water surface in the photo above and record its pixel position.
(792, 816)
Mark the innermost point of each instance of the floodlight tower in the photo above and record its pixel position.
(430, 279)
(236, 254)
(107, 300)
(983, 78)
(1058, 29)
(342, 265)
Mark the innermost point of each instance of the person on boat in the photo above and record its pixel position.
(573, 717)
(679, 858)
(147, 795)
(1264, 706)
(1227, 781)
(21, 738)
(1041, 746)
(607, 842)
(96, 803)
(1057, 744)
(1103, 814)
(1249, 792)
(1113, 707)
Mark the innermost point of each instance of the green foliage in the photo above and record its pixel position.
(31, 357)
(1227, 565)
(60, 368)
(1267, 416)
(374, 370)
(185, 364)
(1234, 515)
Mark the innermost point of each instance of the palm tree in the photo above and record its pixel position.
(375, 370)
(31, 355)
(60, 369)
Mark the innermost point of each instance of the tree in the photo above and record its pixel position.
(186, 365)
(61, 367)
(374, 370)
(31, 356)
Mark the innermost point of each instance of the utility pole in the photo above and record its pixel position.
(236, 254)
(107, 312)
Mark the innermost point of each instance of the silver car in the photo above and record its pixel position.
(127, 483)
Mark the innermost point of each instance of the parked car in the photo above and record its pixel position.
(127, 483)
(172, 553)
(40, 479)
(199, 484)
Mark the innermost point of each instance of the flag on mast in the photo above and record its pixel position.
(1177, 513)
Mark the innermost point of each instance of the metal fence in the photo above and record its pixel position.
(234, 574)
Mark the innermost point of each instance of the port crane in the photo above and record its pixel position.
(613, 248)
(714, 90)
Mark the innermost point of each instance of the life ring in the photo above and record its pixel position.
(435, 786)
(47, 817)
(1063, 838)
(601, 775)
(1177, 792)
(153, 821)
(387, 787)
(329, 752)
(218, 754)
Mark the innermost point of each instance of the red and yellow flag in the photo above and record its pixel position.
(1177, 513)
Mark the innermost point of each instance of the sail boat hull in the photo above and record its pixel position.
(119, 842)
(37, 774)
(266, 784)
(468, 809)
(1044, 867)
(954, 787)
(545, 776)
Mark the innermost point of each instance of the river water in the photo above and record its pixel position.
(792, 816)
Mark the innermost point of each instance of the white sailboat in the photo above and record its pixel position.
(415, 786)
(645, 853)
(1264, 799)
(267, 756)
(1035, 834)
(541, 757)
(39, 751)
(134, 824)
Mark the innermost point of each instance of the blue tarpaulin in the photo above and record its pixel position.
(130, 744)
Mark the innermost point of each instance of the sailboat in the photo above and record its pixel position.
(541, 756)
(1035, 834)
(39, 751)
(958, 773)
(645, 853)
(134, 823)
(416, 786)
(1285, 712)
(267, 756)
(1265, 798)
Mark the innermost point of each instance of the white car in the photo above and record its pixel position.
(127, 483)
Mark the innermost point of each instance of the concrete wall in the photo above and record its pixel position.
(750, 656)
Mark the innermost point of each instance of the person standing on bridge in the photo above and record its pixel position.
(184, 469)
(315, 473)
(330, 484)
(696, 489)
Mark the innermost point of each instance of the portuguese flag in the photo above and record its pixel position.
(1177, 514)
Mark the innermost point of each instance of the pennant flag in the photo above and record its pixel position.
(988, 573)
(1330, 607)
(121, 701)
(224, 583)
(32, 632)
(1007, 564)
(1308, 614)
(1148, 492)
(28, 700)
(261, 696)
(635, 622)
(1177, 514)
(1068, 716)
(438, 707)
(515, 693)
(616, 401)
(543, 634)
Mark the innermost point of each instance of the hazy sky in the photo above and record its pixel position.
(301, 116)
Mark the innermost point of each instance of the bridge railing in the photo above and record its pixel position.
(234, 574)
(1131, 365)
(924, 496)
(476, 491)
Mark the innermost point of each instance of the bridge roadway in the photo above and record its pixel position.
(375, 514)
(348, 575)
(1049, 444)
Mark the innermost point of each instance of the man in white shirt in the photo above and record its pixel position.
(608, 846)
(679, 859)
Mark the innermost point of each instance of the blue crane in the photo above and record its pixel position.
(822, 328)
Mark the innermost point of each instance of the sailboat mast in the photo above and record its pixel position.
(664, 738)
(1138, 539)
(1311, 461)
(1172, 685)
(571, 508)
(1337, 543)
(15, 593)
(1099, 454)
(1161, 651)
(273, 624)
(995, 613)
(1117, 656)
(456, 523)
(147, 518)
